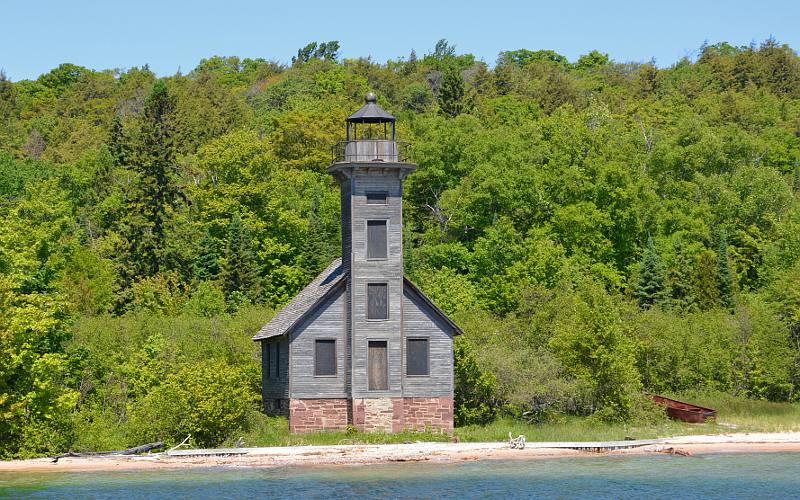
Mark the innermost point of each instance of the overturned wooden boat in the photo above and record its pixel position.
(686, 412)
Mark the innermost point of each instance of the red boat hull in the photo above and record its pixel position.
(686, 412)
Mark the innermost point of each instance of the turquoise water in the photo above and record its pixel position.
(706, 476)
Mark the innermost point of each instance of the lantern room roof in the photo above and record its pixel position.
(370, 112)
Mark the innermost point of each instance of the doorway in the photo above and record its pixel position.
(377, 365)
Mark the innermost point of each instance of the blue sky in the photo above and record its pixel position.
(37, 35)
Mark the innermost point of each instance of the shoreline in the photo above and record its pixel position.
(681, 446)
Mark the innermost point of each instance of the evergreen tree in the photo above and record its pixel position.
(705, 293)
(206, 266)
(451, 93)
(316, 253)
(117, 145)
(679, 276)
(650, 286)
(239, 271)
(724, 275)
(155, 193)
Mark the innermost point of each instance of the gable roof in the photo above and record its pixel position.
(320, 289)
(409, 285)
(304, 302)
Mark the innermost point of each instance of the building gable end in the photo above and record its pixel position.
(327, 282)
(418, 296)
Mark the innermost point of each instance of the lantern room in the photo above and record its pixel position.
(371, 137)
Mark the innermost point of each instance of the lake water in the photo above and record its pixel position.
(765, 475)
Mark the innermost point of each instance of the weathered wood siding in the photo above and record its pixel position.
(272, 387)
(419, 321)
(388, 270)
(347, 250)
(346, 241)
(368, 150)
(327, 322)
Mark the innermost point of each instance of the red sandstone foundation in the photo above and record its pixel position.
(369, 414)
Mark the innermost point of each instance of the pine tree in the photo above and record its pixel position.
(451, 93)
(206, 266)
(724, 275)
(650, 286)
(117, 143)
(705, 294)
(155, 193)
(239, 271)
(679, 276)
(411, 65)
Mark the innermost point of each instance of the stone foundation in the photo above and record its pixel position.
(378, 414)
(421, 414)
(372, 414)
(309, 415)
(276, 407)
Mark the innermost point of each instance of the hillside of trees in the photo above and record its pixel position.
(599, 229)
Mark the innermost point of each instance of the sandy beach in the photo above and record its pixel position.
(682, 447)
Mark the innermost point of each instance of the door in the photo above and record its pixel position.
(377, 366)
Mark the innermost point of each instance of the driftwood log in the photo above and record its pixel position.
(676, 451)
(130, 451)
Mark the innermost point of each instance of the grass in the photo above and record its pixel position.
(274, 431)
(734, 415)
(747, 415)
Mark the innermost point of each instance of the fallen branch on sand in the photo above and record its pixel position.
(130, 451)
(516, 443)
(675, 451)
(179, 445)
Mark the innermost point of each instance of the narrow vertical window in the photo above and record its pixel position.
(378, 198)
(377, 360)
(417, 357)
(377, 301)
(376, 239)
(268, 363)
(277, 360)
(324, 357)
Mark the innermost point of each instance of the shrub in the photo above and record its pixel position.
(592, 338)
(207, 301)
(475, 398)
(207, 400)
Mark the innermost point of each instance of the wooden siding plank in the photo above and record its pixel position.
(419, 321)
(328, 322)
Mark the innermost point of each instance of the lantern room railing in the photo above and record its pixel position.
(371, 151)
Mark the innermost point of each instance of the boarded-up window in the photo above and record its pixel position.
(377, 301)
(377, 198)
(267, 364)
(324, 357)
(376, 239)
(378, 366)
(417, 357)
(276, 360)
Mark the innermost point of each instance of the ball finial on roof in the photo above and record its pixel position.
(371, 97)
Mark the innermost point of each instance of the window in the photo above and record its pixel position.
(276, 360)
(268, 364)
(377, 198)
(417, 355)
(378, 364)
(376, 239)
(325, 358)
(377, 301)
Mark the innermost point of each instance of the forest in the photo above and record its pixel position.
(599, 229)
